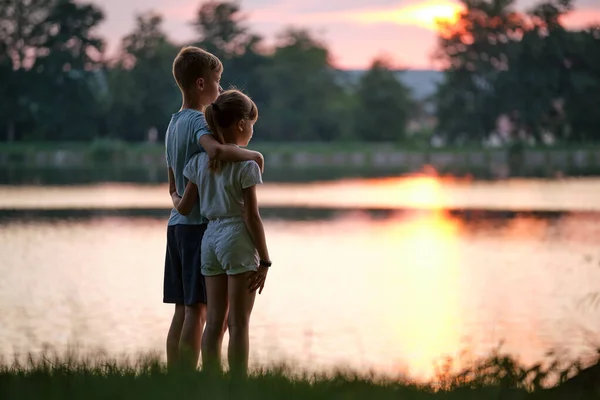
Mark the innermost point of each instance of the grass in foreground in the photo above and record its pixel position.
(497, 377)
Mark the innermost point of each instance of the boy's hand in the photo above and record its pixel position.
(257, 279)
(175, 199)
(260, 160)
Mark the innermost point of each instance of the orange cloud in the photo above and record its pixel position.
(424, 15)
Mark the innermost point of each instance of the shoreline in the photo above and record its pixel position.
(352, 157)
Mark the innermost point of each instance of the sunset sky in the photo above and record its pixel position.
(356, 31)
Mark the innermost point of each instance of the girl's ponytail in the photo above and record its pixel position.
(211, 118)
(229, 108)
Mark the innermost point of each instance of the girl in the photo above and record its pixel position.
(234, 255)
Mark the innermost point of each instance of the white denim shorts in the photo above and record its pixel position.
(227, 248)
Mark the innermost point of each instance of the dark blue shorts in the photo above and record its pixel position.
(183, 282)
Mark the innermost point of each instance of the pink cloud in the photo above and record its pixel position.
(355, 31)
(356, 47)
(186, 10)
(353, 44)
(583, 18)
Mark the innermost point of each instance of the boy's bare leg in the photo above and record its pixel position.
(174, 336)
(191, 335)
(212, 341)
(241, 302)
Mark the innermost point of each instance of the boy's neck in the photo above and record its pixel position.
(193, 104)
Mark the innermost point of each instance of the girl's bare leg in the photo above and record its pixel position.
(241, 302)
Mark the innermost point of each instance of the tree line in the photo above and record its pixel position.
(527, 67)
(58, 85)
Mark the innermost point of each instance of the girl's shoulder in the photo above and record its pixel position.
(196, 163)
(249, 165)
(199, 158)
(249, 174)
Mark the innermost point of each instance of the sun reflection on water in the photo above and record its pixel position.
(421, 269)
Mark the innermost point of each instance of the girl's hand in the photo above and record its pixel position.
(257, 279)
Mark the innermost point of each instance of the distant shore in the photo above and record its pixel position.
(388, 158)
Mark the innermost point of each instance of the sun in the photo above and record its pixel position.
(429, 14)
(425, 14)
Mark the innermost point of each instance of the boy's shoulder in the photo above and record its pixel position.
(189, 116)
(187, 123)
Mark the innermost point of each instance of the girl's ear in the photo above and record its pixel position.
(241, 125)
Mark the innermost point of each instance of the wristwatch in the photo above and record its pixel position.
(265, 263)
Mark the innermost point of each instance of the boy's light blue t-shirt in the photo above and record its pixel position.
(182, 141)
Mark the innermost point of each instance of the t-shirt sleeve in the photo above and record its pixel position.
(200, 128)
(250, 174)
(191, 169)
(169, 165)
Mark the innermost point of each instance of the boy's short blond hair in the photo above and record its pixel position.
(192, 63)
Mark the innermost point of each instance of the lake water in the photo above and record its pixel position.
(376, 274)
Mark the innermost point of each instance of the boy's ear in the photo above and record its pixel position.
(200, 83)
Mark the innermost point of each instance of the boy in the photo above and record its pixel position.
(197, 74)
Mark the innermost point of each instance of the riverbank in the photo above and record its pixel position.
(497, 377)
(329, 160)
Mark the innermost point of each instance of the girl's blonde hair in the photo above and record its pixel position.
(229, 108)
